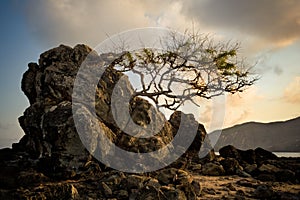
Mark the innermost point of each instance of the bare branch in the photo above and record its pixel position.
(191, 67)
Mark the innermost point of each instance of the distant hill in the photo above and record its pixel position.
(274, 136)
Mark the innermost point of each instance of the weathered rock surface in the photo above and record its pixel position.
(51, 162)
(52, 150)
(260, 164)
(213, 169)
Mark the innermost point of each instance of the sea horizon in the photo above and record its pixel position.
(5, 144)
(286, 154)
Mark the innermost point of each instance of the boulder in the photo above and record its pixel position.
(52, 150)
(172, 193)
(266, 177)
(262, 155)
(135, 181)
(250, 168)
(264, 192)
(149, 193)
(197, 187)
(248, 156)
(268, 168)
(230, 151)
(231, 165)
(213, 169)
(174, 176)
(50, 133)
(284, 175)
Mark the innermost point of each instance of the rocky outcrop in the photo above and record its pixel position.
(51, 162)
(52, 149)
(260, 164)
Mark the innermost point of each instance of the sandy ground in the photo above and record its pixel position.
(235, 187)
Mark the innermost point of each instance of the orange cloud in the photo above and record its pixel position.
(292, 92)
(240, 106)
(275, 21)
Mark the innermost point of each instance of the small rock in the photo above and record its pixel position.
(240, 195)
(172, 193)
(121, 194)
(188, 190)
(246, 183)
(230, 187)
(241, 173)
(212, 169)
(135, 181)
(210, 191)
(229, 151)
(250, 168)
(268, 168)
(106, 189)
(289, 196)
(183, 177)
(231, 165)
(196, 167)
(153, 182)
(248, 156)
(27, 178)
(197, 187)
(262, 155)
(167, 176)
(266, 177)
(172, 175)
(285, 175)
(264, 192)
(148, 193)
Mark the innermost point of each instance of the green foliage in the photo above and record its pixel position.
(190, 67)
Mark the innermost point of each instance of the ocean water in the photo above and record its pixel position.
(287, 154)
(7, 143)
(281, 154)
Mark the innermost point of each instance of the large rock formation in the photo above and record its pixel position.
(50, 133)
(51, 162)
(52, 148)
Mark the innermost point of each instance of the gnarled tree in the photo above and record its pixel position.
(190, 66)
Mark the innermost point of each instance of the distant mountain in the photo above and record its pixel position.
(274, 136)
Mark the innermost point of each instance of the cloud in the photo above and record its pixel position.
(226, 111)
(264, 23)
(277, 70)
(241, 118)
(206, 115)
(4, 126)
(81, 21)
(240, 106)
(91, 22)
(292, 92)
(9, 133)
(275, 21)
(250, 95)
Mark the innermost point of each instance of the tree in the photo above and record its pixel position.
(189, 67)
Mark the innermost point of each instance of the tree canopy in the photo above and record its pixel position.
(190, 67)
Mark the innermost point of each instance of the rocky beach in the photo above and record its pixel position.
(51, 162)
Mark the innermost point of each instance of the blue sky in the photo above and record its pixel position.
(269, 31)
(18, 48)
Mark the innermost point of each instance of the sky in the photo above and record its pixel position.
(268, 30)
